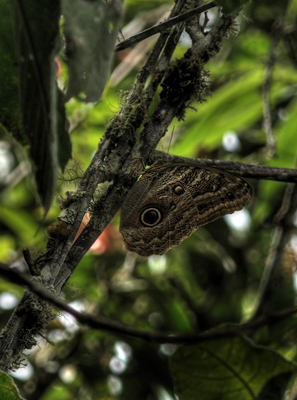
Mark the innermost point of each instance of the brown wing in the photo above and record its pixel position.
(180, 198)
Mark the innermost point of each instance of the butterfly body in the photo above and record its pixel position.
(169, 202)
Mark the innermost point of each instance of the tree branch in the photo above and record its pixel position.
(234, 167)
(108, 325)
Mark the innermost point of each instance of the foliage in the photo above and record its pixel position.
(36, 114)
(212, 277)
(7, 387)
(230, 5)
(244, 367)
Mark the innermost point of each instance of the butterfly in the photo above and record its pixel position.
(169, 202)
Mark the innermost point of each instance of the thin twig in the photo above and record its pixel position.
(109, 325)
(271, 275)
(237, 168)
(163, 26)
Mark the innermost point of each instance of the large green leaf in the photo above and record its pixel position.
(90, 30)
(30, 109)
(10, 114)
(226, 369)
(8, 390)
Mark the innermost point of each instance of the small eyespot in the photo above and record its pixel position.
(150, 217)
(230, 196)
(178, 190)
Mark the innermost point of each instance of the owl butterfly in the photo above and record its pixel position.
(169, 202)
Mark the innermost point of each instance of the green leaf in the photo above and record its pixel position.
(37, 41)
(226, 369)
(8, 390)
(90, 30)
(10, 115)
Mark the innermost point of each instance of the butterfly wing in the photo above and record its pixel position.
(153, 192)
(216, 193)
(169, 203)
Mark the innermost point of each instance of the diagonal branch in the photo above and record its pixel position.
(163, 26)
